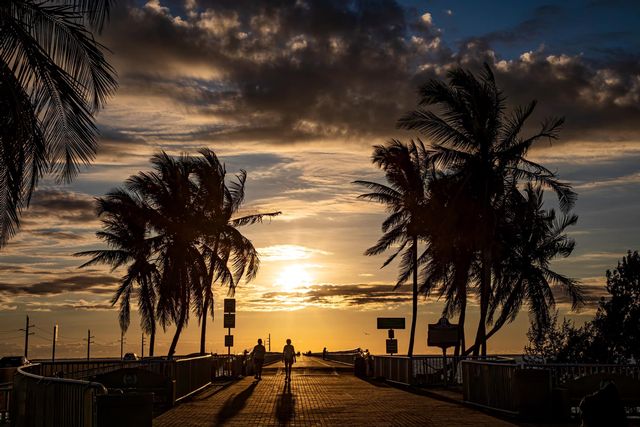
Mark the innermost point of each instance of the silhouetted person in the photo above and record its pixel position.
(258, 358)
(603, 408)
(289, 358)
(324, 353)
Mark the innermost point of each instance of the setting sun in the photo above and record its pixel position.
(293, 277)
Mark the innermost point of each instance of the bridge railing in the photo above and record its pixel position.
(347, 357)
(490, 384)
(5, 403)
(563, 372)
(46, 401)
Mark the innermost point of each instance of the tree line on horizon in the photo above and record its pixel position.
(466, 212)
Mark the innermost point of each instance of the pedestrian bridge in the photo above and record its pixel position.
(321, 392)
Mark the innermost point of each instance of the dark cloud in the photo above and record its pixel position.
(61, 204)
(344, 295)
(94, 283)
(290, 71)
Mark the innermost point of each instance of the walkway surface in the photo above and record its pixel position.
(320, 394)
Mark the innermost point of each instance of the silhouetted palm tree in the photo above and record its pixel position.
(406, 168)
(533, 238)
(168, 194)
(222, 244)
(475, 140)
(53, 78)
(126, 232)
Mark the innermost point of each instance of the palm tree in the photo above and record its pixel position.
(168, 194)
(482, 145)
(407, 171)
(218, 204)
(126, 232)
(53, 78)
(534, 237)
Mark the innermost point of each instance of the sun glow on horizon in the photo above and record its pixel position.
(294, 277)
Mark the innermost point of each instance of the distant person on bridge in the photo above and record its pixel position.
(258, 358)
(289, 358)
(324, 353)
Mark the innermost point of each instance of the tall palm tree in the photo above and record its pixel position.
(477, 141)
(168, 194)
(53, 79)
(230, 256)
(406, 168)
(126, 232)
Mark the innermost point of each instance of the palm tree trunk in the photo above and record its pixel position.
(207, 300)
(461, 319)
(414, 249)
(152, 338)
(203, 330)
(485, 287)
(179, 326)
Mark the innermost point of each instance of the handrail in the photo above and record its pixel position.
(56, 380)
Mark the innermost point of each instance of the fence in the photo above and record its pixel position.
(46, 401)
(490, 384)
(5, 403)
(563, 372)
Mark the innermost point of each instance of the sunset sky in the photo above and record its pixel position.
(296, 92)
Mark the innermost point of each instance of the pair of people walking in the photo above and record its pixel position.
(288, 357)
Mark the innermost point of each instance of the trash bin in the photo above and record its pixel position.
(360, 367)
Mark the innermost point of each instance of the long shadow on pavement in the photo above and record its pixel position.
(235, 403)
(285, 405)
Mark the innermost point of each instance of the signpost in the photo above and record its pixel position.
(391, 323)
(443, 334)
(229, 322)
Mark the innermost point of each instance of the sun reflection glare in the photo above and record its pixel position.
(293, 277)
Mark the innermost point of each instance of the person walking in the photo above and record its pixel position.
(289, 358)
(258, 358)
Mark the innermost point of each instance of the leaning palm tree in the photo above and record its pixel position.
(534, 237)
(168, 193)
(126, 233)
(230, 256)
(406, 168)
(53, 79)
(477, 141)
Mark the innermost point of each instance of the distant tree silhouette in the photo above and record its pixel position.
(611, 337)
(478, 142)
(406, 168)
(53, 79)
(126, 232)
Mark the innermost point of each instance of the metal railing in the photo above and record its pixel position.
(5, 403)
(192, 375)
(490, 384)
(46, 401)
(393, 368)
(564, 372)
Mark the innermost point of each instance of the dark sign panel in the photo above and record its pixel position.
(228, 340)
(392, 346)
(443, 334)
(229, 320)
(390, 322)
(229, 305)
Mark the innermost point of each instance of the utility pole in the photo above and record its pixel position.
(26, 338)
(53, 344)
(142, 347)
(121, 344)
(89, 341)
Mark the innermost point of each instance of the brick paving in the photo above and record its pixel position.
(320, 394)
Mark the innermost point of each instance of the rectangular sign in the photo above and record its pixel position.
(390, 322)
(443, 336)
(392, 346)
(229, 320)
(228, 340)
(229, 305)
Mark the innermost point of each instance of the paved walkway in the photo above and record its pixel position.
(320, 394)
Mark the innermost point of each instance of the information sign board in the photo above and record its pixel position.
(229, 305)
(390, 322)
